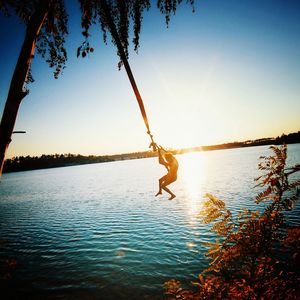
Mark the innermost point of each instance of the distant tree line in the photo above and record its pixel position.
(291, 138)
(26, 163)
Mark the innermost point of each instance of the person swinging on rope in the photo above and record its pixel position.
(170, 162)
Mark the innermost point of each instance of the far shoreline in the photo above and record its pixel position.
(29, 163)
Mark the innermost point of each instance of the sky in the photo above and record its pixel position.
(230, 71)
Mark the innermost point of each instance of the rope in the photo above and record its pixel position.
(121, 51)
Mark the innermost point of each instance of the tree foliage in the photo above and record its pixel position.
(256, 254)
(123, 13)
(46, 28)
(51, 39)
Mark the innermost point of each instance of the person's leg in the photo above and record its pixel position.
(166, 182)
(168, 191)
(161, 182)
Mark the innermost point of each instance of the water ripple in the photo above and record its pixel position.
(98, 232)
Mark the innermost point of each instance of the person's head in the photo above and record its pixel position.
(168, 156)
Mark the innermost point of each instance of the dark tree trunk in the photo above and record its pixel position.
(16, 92)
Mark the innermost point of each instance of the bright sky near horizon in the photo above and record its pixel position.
(230, 71)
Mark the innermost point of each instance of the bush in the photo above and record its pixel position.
(256, 254)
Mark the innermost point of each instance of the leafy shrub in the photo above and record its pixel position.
(256, 254)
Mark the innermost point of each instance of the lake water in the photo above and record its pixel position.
(97, 231)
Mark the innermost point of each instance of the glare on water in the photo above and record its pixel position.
(193, 176)
(100, 230)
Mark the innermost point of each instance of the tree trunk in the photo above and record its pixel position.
(16, 92)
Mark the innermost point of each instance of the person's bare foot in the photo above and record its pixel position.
(172, 197)
(159, 193)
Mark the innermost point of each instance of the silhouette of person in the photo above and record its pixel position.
(170, 162)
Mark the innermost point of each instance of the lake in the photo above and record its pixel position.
(97, 231)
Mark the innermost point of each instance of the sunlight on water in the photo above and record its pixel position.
(193, 174)
(192, 167)
(97, 231)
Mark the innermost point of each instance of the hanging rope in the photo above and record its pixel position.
(122, 54)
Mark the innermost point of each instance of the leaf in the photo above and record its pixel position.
(78, 51)
(200, 276)
(294, 184)
(263, 195)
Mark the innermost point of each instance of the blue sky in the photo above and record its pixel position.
(230, 71)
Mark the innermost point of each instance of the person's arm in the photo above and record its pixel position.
(161, 159)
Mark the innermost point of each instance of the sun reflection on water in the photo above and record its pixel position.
(192, 172)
